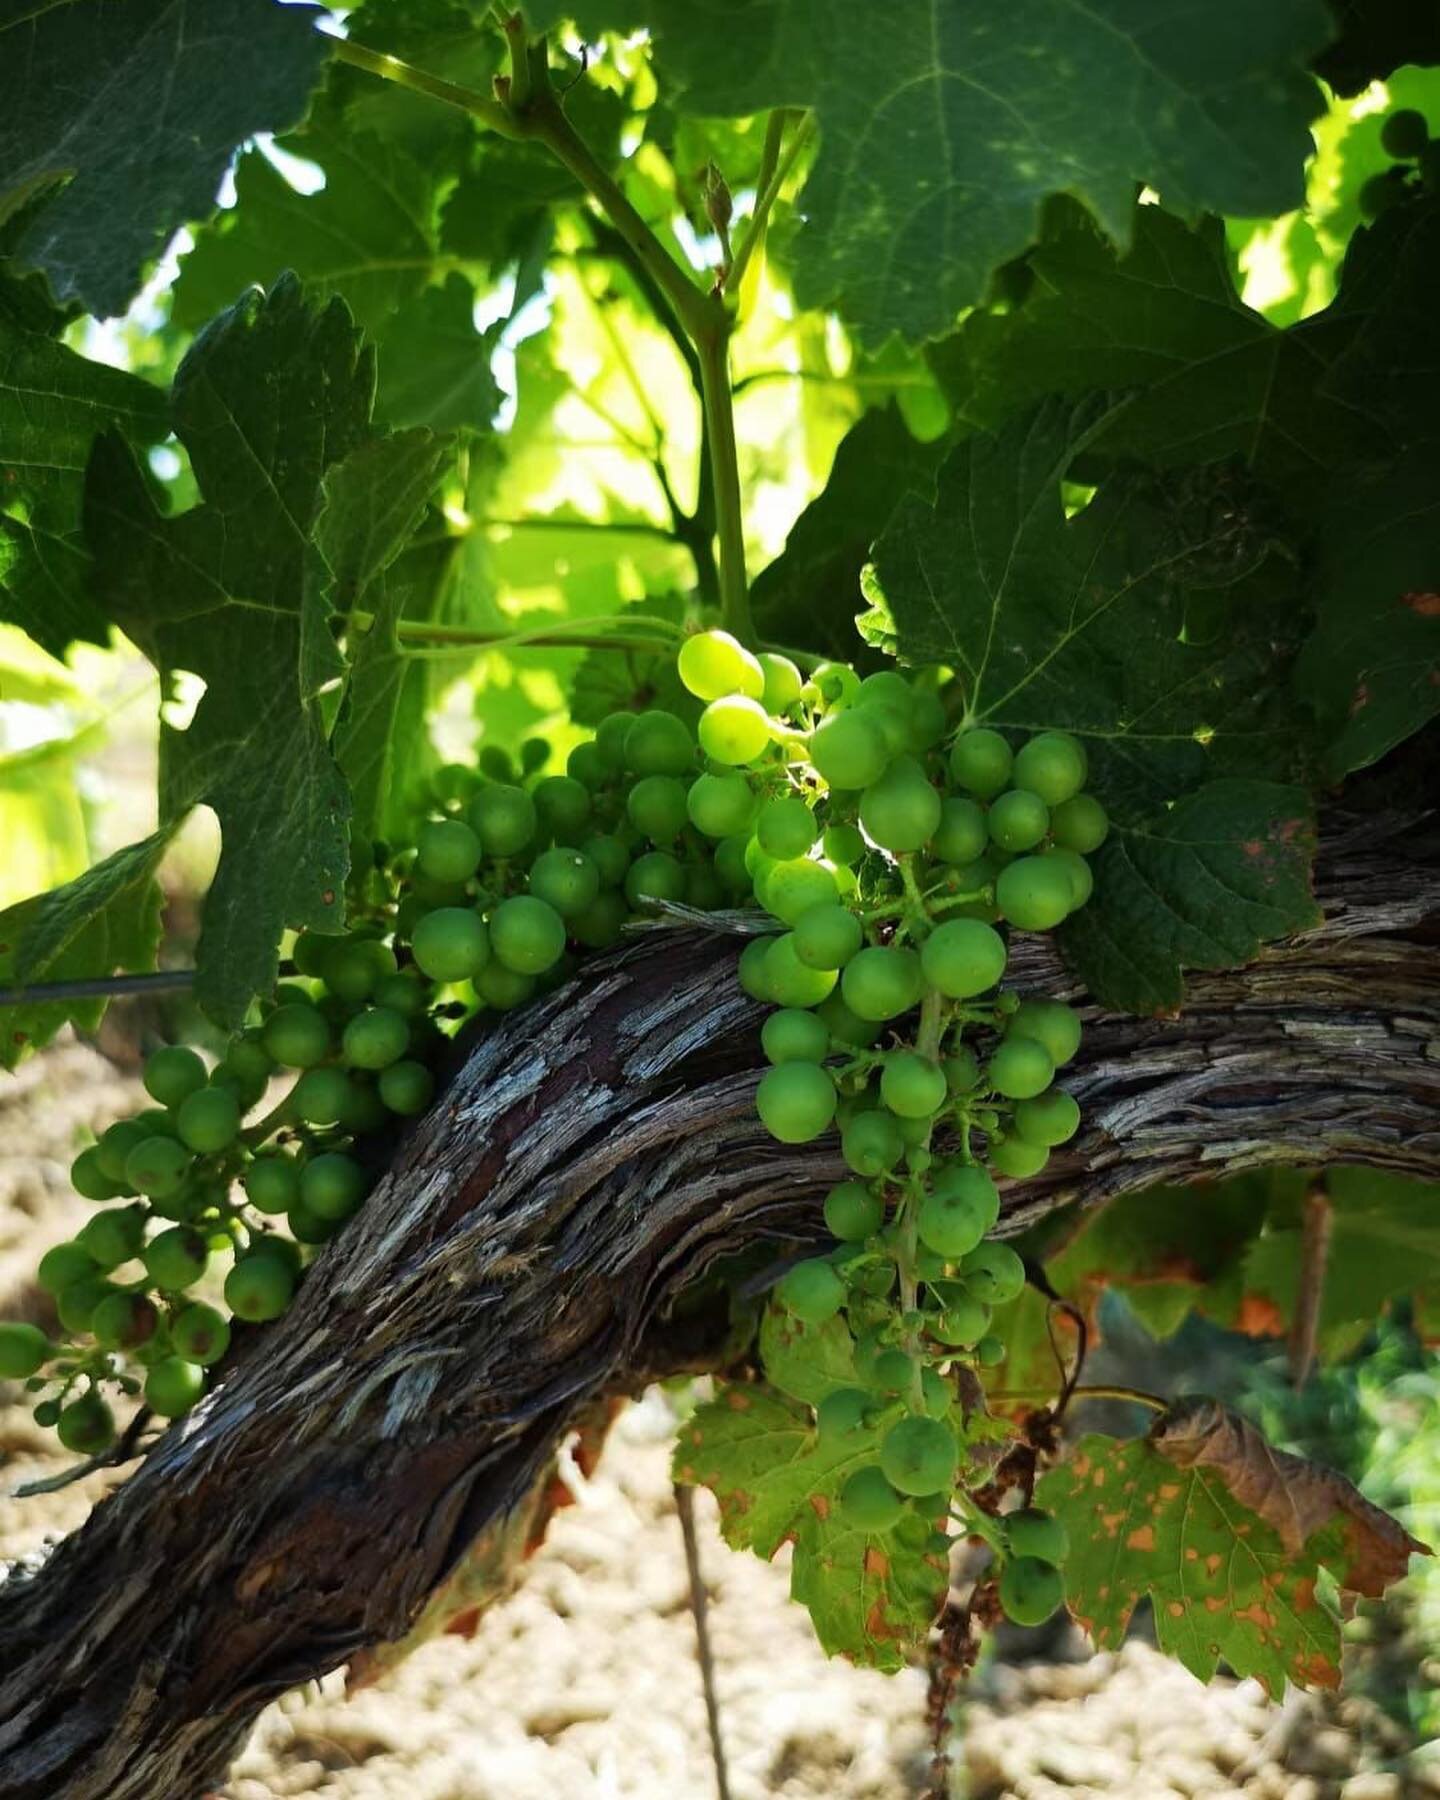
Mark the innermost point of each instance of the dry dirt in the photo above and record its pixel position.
(584, 1685)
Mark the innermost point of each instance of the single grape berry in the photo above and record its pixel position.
(849, 750)
(321, 1096)
(901, 810)
(272, 1183)
(77, 1305)
(86, 1426)
(1018, 1158)
(116, 1143)
(912, 1085)
(451, 944)
(719, 805)
(1030, 1590)
(868, 1502)
(1018, 820)
(209, 1120)
(176, 1259)
(796, 1102)
(962, 958)
(871, 1143)
(794, 1035)
(882, 982)
(994, 1273)
(961, 1323)
(157, 1166)
(1020, 1068)
(354, 964)
(1032, 1532)
(734, 729)
(657, 743)
(1048, 1022)
(332, 1185)
(259, 1288)
(919, 1456)
(789, 981)
(783, 682)
(296, 1035)
(172, 1073)
(812, 1291)
(842, 1412)
(980, 762)
(1050, 1118)
(1052, 765)
(1034, 892)
(527, 935)
(1405, 134)
(962, 836)
(375, 1038)
(751, 969)
(712, 663)
(63, 1265)
(201, 1334)
(827, 935)
(115, 1236)
(173, 1386)
(969, 1182)
(406, 1087)
(655, 876)
(563, 808)
(1080, 824)
(791, 889)
(950, 1224)
(657, 806)
(23, 1349)
(503, 818)
(853, 1212)
(447, 850)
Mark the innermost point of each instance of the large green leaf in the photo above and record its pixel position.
(270, 397)
(53, 402)
(434, 366)
(126, 114)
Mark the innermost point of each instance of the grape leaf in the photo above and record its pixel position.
(943, 127)
(443, 37)
(434, 366)
(807, 1362)
(125, 116)
(270, 396)
(53, 402)
(1223, 1580)
(106, 920)
(1376, 37)
(871, 1598)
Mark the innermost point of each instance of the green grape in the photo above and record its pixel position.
(534, 754)
(23, 1349)
(887, 687)
(502, 988)
(790, 982)
(1018, 1158)
(76, 1305)
(309, 952)
(332, 1185)
(610, 855)
(812, 1291)
(176, 1259)
(827, 936)
(962, 1070)
(1030, 1590)
(658, 743)
(503, 818)
(447, 850)
(720, 805)
(994, 1273)
(1405, 134)
(172, 1073)
(586, 765)
(173, 1386)
(1050, 1118)
(296, 1036)
(890, 721)
(712, 664)
(842, 1412)
(990, 1352)
(919, 1456)
(86, 1426)
(752, 969)
(355, 964)
(843, 844)
(962, 958)
(406, 1087)
(1077, 873)
(454, 783)
(1052, 765)
(200, 1334)
(88, 1177)
(912, 1085)
(655, 876)
(404, 993)
(320, 1096)
(730, 864)
(284, 1250)
(961, 1323)
(1018, 820)
(63, 1265)
(792, 1035)
(871, 1143)
(1033, 893)
(882, 981)
(963, 835)
(157, 1166)
(451, 944)
(657, 808)
(114, 1237)
(950, 1224)
(563, 807)
(790, 889)
(869, 1503)
(1080, 824)
(611, 736)
(272, 1182)
(796, 1101)
(734, 729)
(496, 765)
(116, 1143)
(209, 1120)
(847, 1030)
(853, 1211)
(1020, 1068)
(375, 1038)
(1038, 1534)
(980, 762)
(849, 750)
(901, 810)
(1048, 1022)
(783, 682)
(785, 827)
(247, 1060)
(601, 923)
(123, 1322)
(259, 1288)
(969, 1182)
(893, 1369)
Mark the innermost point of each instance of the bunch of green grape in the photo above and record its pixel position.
(1405, 135)
(897, 855)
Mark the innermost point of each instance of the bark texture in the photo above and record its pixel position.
(591, 1159)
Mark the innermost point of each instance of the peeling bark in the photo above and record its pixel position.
(591, 1159)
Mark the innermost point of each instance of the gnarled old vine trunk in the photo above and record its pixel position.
(591, 1159)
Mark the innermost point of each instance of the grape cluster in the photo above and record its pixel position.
(1405, 135)
(897, 856)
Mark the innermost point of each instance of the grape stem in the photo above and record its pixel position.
(774, 173)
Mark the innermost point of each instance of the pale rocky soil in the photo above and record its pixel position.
(584, 1685)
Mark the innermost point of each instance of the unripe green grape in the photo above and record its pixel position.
(1030, 1590)
(658, 743)
(116, 1143)
(827, 936)
(495, 764)
(853, 1211)
(712, 664)
(834, 684)
(962, 836)
(1048, 1022)
(1080, 824)
(1077, 873)
(900, 811)
(869, 1503)
(791, 889)
(893, 1369)
(355, 965)
(609, 854)
(534, 754)
(730, 865)
(882, 981)
(115, 1236)
(796, 1102)
(758, 862)
(157, 1166)
(453, 783)
(375, 1038)
(962, 1323)
(1020, 1068)
(563, 807)
(88, 1177)
(785, 827)
(172, 1073)
(970, 1183)
(404, 993)
(586, 765)
(734, 730)
(611, 736)
(1052, 765)
(602, 922)
(500, 988)
(926, 719)
(962, 1070)
(793, 1035)
(176, 1259)
(720, 805)
(962, 958)
(1405, 134)
(332, 1185)
(980, 762)
(1018, 1158)
(86, 1426)
(406, 1087)
(890, 721)
(272, 1182)
(503, 817)
(950, 1224)
(871, 1143)
(938, 1394)
(63, 1265)
(843, 844)
(990, 1352)
(447, 850)
(1018, 820)
(656, 806)
(566, 880)
(812, 1291)
(994, 1273)
(1050, 1118)
(791, 982)
(208, 1120)
(783, 682)
(451, 944)
(849, 750)
(885, 687)
(23, 1349)
(655, 876)
(309, 952)
(1036, 1533)
(847, 1029)
(173, 1385)
(842, 1412)
(912, 1085)
(259, 1288)
(320, 1096)
(752, 970)
(919, 1456)
(76, 1305)
(201, 1334)
(296, 1035)
(1034, 893)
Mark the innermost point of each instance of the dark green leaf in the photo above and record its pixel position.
(434, 366)
(1375, 37)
